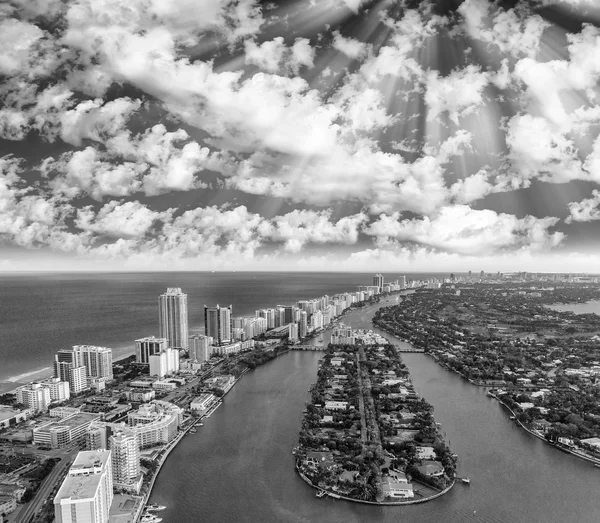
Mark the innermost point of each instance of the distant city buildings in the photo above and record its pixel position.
(217, 323)
(86, 493)
(173, 318)
(146, 347)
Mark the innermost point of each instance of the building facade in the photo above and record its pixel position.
(200, 348)
(34, 396)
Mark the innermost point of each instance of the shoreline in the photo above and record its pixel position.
(595, 461)
(335, 495)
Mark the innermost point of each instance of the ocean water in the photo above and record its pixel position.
(41, 313)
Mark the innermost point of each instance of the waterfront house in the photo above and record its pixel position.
(396, 489)
(431, 469)
(336, 405)
(425, 452)
(316, 458)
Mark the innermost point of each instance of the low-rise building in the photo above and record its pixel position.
(58, 434)
(202, 402)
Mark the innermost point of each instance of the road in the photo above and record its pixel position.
(26, 512)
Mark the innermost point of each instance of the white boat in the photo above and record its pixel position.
(466, 480)
(154, 507)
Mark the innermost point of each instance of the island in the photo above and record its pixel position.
(366, 435)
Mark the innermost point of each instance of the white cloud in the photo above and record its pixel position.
(464, 230)
(119, 220)
(586, 210)
(351, 47)
(506, 30)
(460, 93)
(298, 228)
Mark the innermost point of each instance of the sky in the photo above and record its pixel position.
(350, 135)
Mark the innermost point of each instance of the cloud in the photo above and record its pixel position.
(351, 47)
(538, 149)
(460, 93)
(464, 230)
(586, 210)
(299, 228)
(120, 220)
(506, 31)
(274, 55)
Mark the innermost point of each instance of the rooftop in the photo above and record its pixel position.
(78, 487)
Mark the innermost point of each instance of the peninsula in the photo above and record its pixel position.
(366, 435)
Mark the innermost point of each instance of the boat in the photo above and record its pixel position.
(199, 424)
(512, 417)
(320, 493)
(154, 507)
(193, 431)
(466, 479)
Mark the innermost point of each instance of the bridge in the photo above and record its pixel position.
(307, 347)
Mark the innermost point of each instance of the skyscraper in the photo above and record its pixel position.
(146, 347)
(173, 318)
(87, 492)
(217, 323)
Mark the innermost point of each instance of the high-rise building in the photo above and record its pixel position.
(287, 314)
(125, 457)
(167, 362)
(402, 282)
(86, 493)
(378, 281)
(146, 347)
(293, 332)
(303, 324)
(173, 318)
(97, 360)
(67, 367)
(200, 347)
(34, 396)
(59, 390)
(217, 323)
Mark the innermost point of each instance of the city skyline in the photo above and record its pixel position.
(365, 135)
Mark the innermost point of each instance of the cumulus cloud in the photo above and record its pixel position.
(505, 30)
(298, 228)
(351, 47)
(121, 220)
(586, 210)
(464, 230)
(460, 93)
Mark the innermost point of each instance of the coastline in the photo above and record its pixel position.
(590, 459)
(335, 495)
